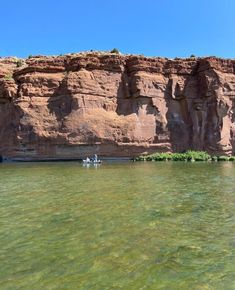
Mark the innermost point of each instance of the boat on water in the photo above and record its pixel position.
(94, 160)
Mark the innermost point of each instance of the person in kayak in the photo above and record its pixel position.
(95, 158)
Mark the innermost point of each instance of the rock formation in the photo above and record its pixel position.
(76, 105)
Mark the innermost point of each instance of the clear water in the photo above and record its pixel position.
(117, 226)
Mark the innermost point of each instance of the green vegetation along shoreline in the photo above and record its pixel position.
(187, 156)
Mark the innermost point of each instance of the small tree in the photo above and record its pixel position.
(19, 63)
(115, 50)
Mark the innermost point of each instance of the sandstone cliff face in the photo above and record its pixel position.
(75, 105)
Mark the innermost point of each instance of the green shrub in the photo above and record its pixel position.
(186, 156)
(197, 156)
(158, 157)
(214, 158)
(149, 158)
(232, 158)
(192, 55)
(223, 158)
(30, 56)
(115, 50)
(139, 158)
(179, 157)
(19, 62)
(166, 156)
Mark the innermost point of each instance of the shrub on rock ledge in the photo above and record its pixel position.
(19, 63)
(115, 50)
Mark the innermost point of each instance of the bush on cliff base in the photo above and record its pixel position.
(187, 156)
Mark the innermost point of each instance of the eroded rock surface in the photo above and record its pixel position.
(115, 105)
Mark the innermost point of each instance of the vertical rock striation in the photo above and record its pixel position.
(115, 105)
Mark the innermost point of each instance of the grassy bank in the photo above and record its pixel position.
(187, 156)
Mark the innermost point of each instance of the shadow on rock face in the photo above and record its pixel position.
(129, 100)
(60, 103)
(179, 123)
(124, 97)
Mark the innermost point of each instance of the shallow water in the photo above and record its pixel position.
(166, 225)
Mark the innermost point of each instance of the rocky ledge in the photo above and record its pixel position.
(71, 106)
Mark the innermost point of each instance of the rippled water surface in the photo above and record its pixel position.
(126, 225)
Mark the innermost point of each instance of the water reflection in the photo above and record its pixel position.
(91, 165)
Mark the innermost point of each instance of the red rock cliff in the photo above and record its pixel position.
(75, 105)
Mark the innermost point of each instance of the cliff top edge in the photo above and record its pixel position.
(109, 53)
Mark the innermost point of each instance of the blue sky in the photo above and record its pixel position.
(151, 27)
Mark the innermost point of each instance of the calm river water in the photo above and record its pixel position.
(166, 225)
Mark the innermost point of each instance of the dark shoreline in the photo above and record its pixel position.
(28, 160)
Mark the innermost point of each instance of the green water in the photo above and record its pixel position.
(166, 225)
